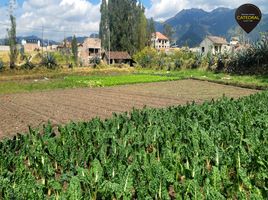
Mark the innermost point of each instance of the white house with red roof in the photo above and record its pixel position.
(160, 41)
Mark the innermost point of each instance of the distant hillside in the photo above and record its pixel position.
(46, 41)
(192, 25)
(81, 39)
(33, 37)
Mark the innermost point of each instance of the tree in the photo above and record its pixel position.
(150, 30)
(104, 25)
(122, 25)
(141, 29)
(168, 31)
(12, 43)
(75, 49)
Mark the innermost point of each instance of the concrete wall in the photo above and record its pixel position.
(4, 48)
(84, 50)
(207, 46)
(31, 47)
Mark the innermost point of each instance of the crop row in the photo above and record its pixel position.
(217, 150)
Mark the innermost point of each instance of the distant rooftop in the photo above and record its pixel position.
(161, 36)
(217, 39)
(118, 55)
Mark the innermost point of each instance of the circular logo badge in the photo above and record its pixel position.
(248, 16)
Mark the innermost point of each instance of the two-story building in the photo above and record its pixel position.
(89, 49)
(160, 42)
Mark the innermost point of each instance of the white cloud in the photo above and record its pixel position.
(81, 17)
(164, 9)
(58, 17)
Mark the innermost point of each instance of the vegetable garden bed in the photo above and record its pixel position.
(216, 150)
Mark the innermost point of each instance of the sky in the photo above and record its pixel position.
(60, 18)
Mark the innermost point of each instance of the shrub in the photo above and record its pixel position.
(169, 66)
(161, 62)
(146, 57)
(210, 61)
(220, 63)
(95, 61)
(1, 66)
(70, 65)
(177, 64)
(22, 54)
(49, 61)
(28, 64)
(150, 58)
(251, 60)
(197, 62)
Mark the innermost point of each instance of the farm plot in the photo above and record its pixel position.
(18, 111)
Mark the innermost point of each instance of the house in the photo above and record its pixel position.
(117, 57)
(89, 49)
(214, 45)
(30, 45)
(4, 48)
(54, 47)
(160, 41)
(234, 41)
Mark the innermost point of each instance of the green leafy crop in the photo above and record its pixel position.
(218, 150)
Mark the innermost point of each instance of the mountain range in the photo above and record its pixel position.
(81, 39)
(192, 25)
(47, 41)
(32, 37)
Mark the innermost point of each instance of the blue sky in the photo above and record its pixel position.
(147, 3)
(81, 17)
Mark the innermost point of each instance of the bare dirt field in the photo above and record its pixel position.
(17, 111)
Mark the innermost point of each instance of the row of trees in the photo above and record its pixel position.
(124, 27)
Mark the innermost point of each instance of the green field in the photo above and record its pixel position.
(253, 81)
(77, 81)
(100, 78)
(217, 150)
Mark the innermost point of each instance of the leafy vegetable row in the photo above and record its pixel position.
(217, 150)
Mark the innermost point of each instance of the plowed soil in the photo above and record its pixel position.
(18, 111)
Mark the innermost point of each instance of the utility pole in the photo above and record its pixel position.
(47, 44)
(42, 44)
(109, 45)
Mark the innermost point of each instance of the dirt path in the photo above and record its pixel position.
(17, 111)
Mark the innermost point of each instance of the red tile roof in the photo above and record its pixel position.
(161, 36)
(118, 55)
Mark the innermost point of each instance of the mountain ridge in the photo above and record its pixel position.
(192, 25)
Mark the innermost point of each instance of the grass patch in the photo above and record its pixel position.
(76, 81)
(43, 79)
(42, 72)
(254, 82)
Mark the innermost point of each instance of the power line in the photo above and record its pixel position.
(42, 41)
(48, 29)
